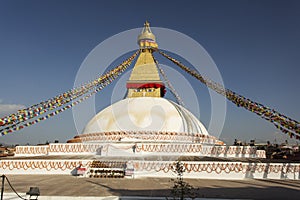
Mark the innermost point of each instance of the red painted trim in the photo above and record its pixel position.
(145, 85)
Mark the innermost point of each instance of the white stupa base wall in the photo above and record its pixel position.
(220, 170)
(42, 166)
(142, 169)
(141, 149)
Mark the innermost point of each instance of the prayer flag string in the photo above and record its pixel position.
(11, 123)
(169, 84)
(280, 121)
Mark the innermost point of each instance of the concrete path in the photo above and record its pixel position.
(71, 186)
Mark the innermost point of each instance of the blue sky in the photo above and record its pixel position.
(255, 44)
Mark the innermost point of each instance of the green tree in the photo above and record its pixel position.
(181, 189)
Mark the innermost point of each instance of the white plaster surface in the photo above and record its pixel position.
(145, 114)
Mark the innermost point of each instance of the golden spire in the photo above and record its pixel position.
(144, 80)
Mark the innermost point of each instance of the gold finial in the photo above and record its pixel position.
(147, 39)
(147, 24)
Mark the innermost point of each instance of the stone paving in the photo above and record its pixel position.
(66, 185)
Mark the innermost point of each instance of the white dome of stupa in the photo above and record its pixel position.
(145, 114)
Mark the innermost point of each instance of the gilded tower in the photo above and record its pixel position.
(144, 80)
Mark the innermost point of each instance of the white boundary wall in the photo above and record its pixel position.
(13, 196)
(41, 166)
(207, 170)
(220, 170)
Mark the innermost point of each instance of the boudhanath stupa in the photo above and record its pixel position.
(143, 135)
